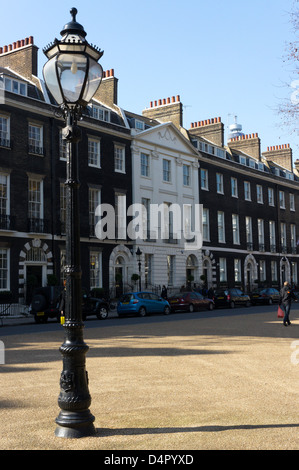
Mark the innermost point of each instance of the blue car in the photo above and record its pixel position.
(142, 303)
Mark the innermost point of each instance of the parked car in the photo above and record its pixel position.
(142, 303)
(190, 301)
(265, 296)
(45, 304)
(231, 298)
(94, 306)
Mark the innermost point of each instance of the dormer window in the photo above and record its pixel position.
(139, 125)
(13, 85)
(97, 112)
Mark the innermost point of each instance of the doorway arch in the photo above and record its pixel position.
(250, 272)
(120, 270)
(35, 259)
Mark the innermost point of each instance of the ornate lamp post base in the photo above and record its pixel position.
(75, 424)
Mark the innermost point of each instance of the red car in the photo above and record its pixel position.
(190, 301)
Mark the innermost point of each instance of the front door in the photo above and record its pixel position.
(34, 278)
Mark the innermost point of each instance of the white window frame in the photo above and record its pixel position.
(235, 229)
(271, 196)
(4, 131)
(247, 191)
(95, 270)
(274, 271)
(237, 270)
(4, 269)
(204, 179)
(14, 86)
(282, 202)
(219, 183)
(5, 194)
(259, 194)
(166, 170)
(272, 235)
(94, 152)
(38, 212)
(206, 224)
(221, 226)
(186, 175)
(144, 165)
(119, 158)
(261, 232)
(35, 138)
(222, 270)
(234, 187)
(94, 199)
(262, 269)
(248, 223)
(292, 202)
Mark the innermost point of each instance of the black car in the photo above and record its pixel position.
(94, 306)
(265, 296)
(45, 304)
(231, 298)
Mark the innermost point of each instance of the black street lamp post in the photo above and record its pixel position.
(73, 75)
(139, 253)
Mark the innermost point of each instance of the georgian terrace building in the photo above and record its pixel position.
(251, 202)
(33, 171)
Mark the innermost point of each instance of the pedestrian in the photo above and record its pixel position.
(164, 293)
(285, 301)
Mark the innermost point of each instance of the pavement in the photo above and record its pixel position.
(221, 380)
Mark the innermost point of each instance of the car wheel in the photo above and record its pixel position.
(142, 312)
(232, 304)
(247, 304)
(211, 306)
(166, 310)
(102, 313)
(191, 308)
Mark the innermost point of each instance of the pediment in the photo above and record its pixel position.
(167, 136)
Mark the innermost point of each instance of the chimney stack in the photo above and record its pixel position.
(165, 110)
(21, 57)
(249, 143)
(211, 129)
(280, 154)
(107, 92)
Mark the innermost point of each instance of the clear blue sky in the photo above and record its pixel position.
(223, 58)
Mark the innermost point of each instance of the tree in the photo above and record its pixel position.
(289, 108)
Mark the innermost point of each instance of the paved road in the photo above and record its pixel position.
(226, 379)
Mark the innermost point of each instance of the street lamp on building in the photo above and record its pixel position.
(73, 75)
(139, 253)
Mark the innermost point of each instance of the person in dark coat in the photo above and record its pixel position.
(285, 301)
(164, 293)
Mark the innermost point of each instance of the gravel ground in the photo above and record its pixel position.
(181, 382)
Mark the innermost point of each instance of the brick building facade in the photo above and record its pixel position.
(250, 198)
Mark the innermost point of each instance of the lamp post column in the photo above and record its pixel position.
(74, 419)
